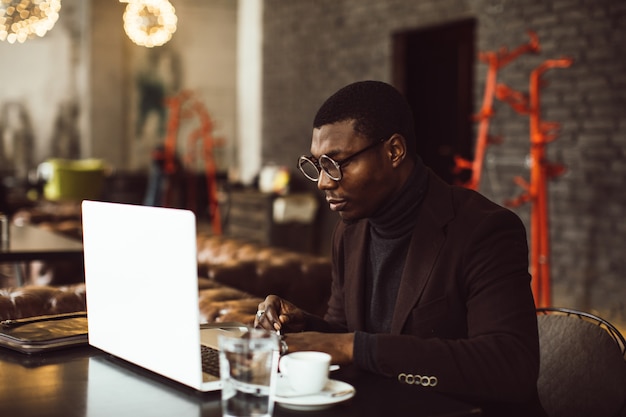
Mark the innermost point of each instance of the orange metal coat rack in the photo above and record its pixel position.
(541, 133)
(186, 105)
(541, 170)
(495, 60)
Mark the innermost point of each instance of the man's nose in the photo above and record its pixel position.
(324, 182)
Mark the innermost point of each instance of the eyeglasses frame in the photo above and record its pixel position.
(337, 164)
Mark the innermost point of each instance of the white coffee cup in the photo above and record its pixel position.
(306, 372)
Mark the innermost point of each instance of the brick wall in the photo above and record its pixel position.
(312, 48)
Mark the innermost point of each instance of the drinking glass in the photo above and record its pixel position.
(248, 368)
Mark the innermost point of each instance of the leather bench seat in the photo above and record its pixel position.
(303, 279)
(40, 300)
(217, 303)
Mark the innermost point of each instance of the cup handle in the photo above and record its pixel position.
(283, 365)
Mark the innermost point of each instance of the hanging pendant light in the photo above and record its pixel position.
(23, 19)
(150, 22)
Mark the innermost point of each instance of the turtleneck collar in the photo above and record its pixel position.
(398, 216)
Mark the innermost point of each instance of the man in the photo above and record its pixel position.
(430, 281)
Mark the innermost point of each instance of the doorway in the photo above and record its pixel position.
(434, 69)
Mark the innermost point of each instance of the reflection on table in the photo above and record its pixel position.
(84, 381)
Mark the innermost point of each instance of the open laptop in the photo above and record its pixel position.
(141, 280)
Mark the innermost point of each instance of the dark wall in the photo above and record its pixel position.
(312, 48)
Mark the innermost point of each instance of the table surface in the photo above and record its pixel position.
(84, 381)
(34, 243)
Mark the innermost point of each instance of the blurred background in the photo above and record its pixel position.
(239, 82)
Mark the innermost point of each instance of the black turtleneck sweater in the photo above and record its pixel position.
(390, 231)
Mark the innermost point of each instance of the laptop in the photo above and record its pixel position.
(141, 279)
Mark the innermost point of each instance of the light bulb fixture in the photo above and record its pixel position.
(150, 22)
(23, 19)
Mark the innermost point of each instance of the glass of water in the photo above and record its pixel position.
(249, 371)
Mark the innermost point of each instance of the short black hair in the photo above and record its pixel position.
(377, 108)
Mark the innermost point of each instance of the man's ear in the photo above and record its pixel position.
(396, 149)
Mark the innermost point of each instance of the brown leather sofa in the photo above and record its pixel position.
(300, 278)
(40, 300)
(217, 303)
(234, 276)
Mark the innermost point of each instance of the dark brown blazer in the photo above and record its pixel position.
(465, 301)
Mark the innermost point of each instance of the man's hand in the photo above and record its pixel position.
(274, 314)
(277, 314)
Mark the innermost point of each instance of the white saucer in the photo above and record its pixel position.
(319, 401)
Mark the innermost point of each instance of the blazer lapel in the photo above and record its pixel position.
(423, 252)
(355, 239)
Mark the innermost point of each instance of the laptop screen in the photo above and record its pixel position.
(141, 286)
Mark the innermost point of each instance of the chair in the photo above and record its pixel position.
(582, 367)
(72, 180)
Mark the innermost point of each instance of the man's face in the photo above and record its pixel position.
(364, 186)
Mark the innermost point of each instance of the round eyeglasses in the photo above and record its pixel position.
(312, 167)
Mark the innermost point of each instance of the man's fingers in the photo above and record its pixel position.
(271, 315)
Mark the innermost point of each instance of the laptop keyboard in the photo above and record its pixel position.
(210, 360)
